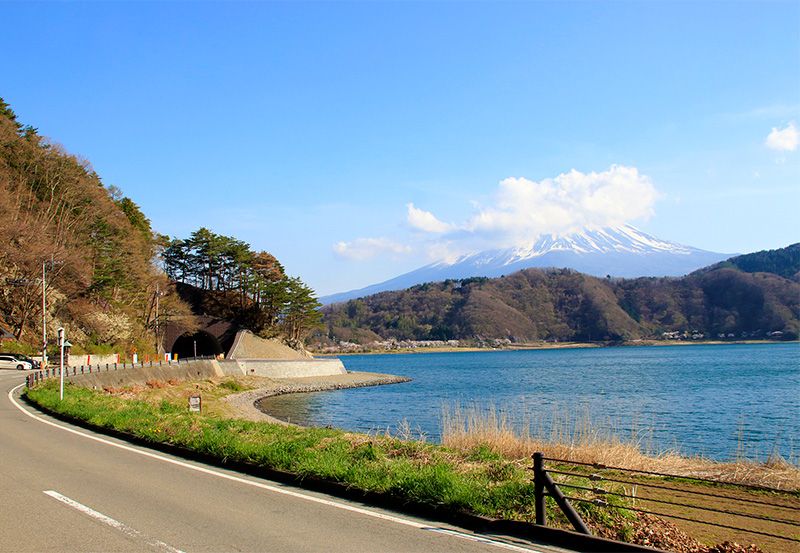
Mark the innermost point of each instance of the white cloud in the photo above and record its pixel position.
(783, 140)
(367, 248)
(526, 209)
(426, 221)
(448, 251)
(521, 211)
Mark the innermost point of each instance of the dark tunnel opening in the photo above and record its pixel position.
(199, 344)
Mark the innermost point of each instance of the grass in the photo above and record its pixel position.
(482, 466)
(410, 471)
(575, 438)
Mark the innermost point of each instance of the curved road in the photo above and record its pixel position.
(68, 489)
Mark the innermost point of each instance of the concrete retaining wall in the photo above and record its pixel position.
(189, 369)
(76, 360)
(128, 376)
(289, 369)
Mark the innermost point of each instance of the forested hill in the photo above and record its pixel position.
(105, 266)
(784, 262)
(563, 305)
(96, 244)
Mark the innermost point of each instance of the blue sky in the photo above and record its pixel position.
(308, 129)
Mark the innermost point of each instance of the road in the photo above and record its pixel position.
(67, 489)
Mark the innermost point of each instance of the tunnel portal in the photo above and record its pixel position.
(199, 344)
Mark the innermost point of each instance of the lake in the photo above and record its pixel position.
(712, 400)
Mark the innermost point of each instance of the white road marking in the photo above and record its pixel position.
(261, 485)
(480, 539)
(125, 529)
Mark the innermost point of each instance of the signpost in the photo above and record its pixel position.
(61, 348)
(194, 404)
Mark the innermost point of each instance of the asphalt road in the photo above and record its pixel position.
(67, 489)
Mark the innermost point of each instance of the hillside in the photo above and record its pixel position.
(563, 305)
(106, 270)
(97, 247)
(784, 262)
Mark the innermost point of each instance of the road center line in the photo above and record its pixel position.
(117, 525)
(261, 485)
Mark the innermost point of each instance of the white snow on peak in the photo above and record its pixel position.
(625, 238)
(619, 239)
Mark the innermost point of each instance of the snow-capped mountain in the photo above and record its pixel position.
(622, 251)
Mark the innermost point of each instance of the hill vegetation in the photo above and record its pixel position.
(784, 262)
(103, 261)
(563, 305)
(222, 277)
(96, 247)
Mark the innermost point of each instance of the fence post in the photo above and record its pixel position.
(538, 488)
(563, 503)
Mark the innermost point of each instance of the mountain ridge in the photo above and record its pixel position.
(722, 302)
(621, 251)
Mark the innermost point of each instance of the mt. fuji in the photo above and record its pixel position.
(622, 251)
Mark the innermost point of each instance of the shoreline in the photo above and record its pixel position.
(558, 345)
(244, 404)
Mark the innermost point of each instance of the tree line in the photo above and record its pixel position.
(95, 245)
(563, 305)
(106, 269)
(249, 286)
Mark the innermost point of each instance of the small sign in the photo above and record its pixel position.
(194, 404)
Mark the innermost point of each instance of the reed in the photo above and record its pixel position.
(575, 437)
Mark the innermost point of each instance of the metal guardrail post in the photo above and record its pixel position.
(542, 482)
(538, 488)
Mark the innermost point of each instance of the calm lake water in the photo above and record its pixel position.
(713, 400)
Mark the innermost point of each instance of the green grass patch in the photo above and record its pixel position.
(479, 481)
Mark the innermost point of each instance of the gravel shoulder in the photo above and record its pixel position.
(244, 404)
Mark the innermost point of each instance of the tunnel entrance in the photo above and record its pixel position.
(199, 344)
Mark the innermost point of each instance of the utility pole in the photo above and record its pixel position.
(44, 318)
(158, 342)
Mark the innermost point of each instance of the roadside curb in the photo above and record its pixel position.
(475, 523)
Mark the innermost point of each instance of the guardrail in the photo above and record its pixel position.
(40, 375)
(672, 497)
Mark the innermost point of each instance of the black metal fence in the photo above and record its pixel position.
(679, 502)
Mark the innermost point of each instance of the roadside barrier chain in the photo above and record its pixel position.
(695, 478)
(596, 477)
(602, 503)
(601, 491)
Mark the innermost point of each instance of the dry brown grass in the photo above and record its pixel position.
(178, 392)
(574, 438)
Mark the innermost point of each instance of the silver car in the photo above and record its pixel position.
(9, 362)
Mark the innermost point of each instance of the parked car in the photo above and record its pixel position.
(34, 363)
(22, 357)
(10, 362)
